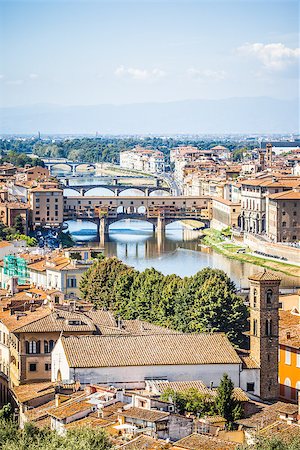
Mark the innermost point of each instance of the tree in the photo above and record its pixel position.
(226, 405)
(6, 412)
(18, 225)
(34, 438)
(215, 305)
(97, 283)
(285, 442)
(190, 401)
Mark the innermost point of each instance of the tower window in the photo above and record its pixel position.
(269, 327)
(269, 295)
(255, 327)
(254, 298)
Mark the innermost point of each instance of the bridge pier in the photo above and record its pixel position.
(102, 230)
(161, 225)
(82, 192)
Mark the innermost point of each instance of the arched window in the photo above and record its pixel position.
(46, 347)
(254, 298)
(269, 327)
(51, 345)
(298, 386)
(269, 295)
(32, 347)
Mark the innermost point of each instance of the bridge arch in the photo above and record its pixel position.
(88, 166)
(71, 191)
(160, 192)
(62, 166)
(135, 192)
(105, 192)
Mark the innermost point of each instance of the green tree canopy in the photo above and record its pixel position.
(202, 303)
(97, 283)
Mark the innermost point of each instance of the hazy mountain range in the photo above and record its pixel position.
(232, 115)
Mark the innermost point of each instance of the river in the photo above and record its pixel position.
(178, 251)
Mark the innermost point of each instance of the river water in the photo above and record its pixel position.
(179, 251)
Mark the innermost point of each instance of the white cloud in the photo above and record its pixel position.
(33, 76)
(206, 75)
(273, 56)
(14, 82)
(139, 74)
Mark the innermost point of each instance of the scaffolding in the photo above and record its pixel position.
(15, 266)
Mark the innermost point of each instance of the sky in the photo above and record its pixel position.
(117, 52)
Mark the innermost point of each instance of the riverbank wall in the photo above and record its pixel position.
(292, 254)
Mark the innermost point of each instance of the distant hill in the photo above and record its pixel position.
(232, 115)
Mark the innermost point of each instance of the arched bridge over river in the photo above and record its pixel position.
(160, 211)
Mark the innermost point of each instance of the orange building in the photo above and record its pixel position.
(289, 354)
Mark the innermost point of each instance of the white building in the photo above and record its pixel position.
(143, 160)
(127, 361)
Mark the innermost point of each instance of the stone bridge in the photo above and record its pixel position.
(73, 165)
(115, 187)
(160, 211)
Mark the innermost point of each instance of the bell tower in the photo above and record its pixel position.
(269, 154)
(264, 329)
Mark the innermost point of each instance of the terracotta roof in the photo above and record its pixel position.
(39, 412)
(59, 320)
(180, 386)
(39, 266)
(102, 317)
(248, 362)
(281, 429)
(141, 327)
(224, 201)
(289, 329)
(69, 408)
(158, 349)
(144, 442)
(90, 422)
(266, 415)
(287, 195)
(111, 410)
(264, 276)
(204, 442)
(18, 320)
(27, 392)
(5, 244)
(273, 182)
(149, 415)
(288, 408)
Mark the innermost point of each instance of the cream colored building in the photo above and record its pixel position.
(46, 205)
(283, 216)
(143, 159)
(225, 214)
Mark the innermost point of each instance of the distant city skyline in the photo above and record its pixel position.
(120, 52)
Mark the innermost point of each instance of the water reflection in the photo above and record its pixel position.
(135, 243)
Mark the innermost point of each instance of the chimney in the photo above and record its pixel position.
(288, 335)
(119, 323)
(13, 285)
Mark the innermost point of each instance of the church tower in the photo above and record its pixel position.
(264, 330)
(269, 154)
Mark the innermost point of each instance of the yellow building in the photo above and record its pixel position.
(289, 354)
